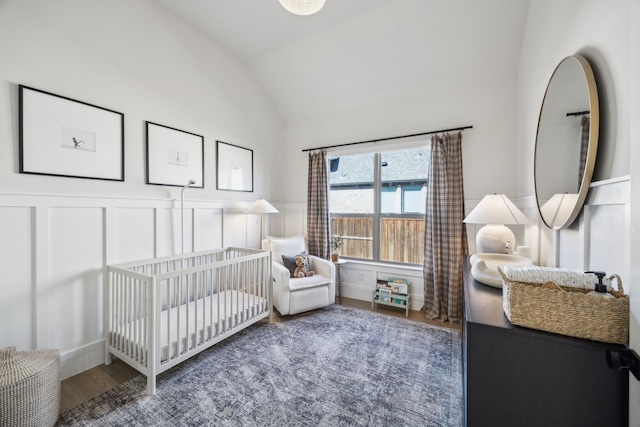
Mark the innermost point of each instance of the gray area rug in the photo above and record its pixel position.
(337, 366)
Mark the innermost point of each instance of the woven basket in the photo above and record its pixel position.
(566, 310)
(29, 387)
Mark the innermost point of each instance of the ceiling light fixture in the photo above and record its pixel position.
(303, 7)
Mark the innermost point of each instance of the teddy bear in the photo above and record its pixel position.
(302, 267)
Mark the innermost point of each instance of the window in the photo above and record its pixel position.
(377, 204)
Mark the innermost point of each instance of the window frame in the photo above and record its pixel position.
(377, 216)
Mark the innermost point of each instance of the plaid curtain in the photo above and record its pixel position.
(318, 206)
(445, 237)
(584, 147)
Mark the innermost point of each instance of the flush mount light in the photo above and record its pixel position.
(302, 7)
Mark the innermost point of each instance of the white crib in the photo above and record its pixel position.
(159, 312)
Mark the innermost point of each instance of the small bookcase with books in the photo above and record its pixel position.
(393, 292)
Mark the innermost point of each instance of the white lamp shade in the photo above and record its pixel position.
(261, 206)
(557, 210)
(496, 209)
(303, 7)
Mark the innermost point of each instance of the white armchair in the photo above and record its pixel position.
(295, 295)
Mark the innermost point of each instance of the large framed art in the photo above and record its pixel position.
(174, 157)
(235, 167)
(60, 136)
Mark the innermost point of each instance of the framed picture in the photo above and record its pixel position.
(235, 167)
(60, 136)
(174, 157)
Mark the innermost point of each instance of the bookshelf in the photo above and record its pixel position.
(392, 292)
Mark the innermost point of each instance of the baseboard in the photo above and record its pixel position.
(80, 359)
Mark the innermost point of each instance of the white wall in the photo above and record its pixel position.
(134, 58)
(604, 236)
(600, 32)
(57, 234)
(485, 100)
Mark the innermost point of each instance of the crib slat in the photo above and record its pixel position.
(169, 304)
(154, 361)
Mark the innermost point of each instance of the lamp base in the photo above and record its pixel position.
(493, 238)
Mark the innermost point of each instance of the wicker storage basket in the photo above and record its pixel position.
(566, 310)
(29, 387)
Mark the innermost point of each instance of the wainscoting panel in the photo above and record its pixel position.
(208, 229)
(168, 226)
(16, 282)
(569, 243)
(608, 239)
(275, 223)
(54, 250)
(598, 239)
(605, 226)
(298, 225)
(73, 293)
(134, 233)
(290, 221)
(236, 229)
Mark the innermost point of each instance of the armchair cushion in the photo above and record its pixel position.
(307, 282)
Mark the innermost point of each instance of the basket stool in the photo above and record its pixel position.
(29, 387)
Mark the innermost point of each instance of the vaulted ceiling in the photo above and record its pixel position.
(355, 52)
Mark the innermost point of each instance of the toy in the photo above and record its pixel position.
(302, 267)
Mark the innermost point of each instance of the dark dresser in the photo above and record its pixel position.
(517, 377)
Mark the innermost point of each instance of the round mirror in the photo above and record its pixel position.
(566, 142)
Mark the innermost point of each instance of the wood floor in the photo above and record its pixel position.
(95, 381)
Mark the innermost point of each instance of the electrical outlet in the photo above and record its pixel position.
(361, 277)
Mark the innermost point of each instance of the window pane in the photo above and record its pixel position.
(356, 234)
(388, 200)
(402, 240)
(415, 199)
(351, 184)
(395, 216)
(404, 173)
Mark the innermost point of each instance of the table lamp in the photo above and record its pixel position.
(495, 210)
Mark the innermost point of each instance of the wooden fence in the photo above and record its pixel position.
(356, 233)
(402, 239)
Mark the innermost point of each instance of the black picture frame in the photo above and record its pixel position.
(234, 166)
(61, 136)
(173, 156)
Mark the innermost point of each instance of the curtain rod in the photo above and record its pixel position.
(579, 113)
(390, 138)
